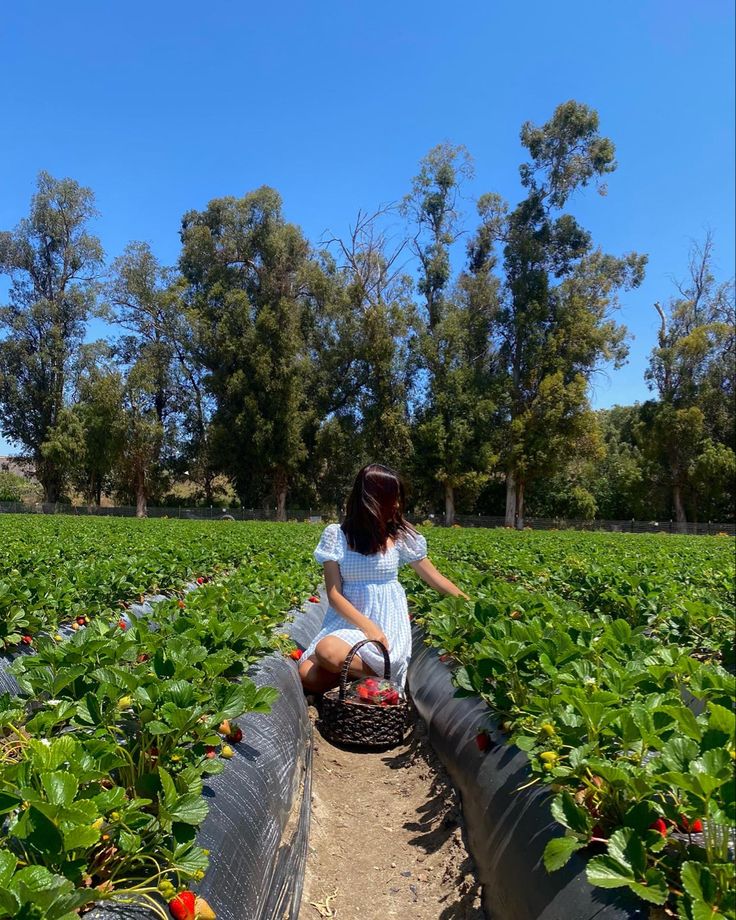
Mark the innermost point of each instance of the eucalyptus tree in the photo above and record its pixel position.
(373, 318)
(245, 266)
(556, 324)
(691, 369)
(453, 414)
(53, 262)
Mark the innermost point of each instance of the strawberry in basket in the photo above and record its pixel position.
(379, 692)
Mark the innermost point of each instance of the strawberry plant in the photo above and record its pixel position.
(592, 649)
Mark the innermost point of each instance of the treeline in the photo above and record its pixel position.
(460, 353)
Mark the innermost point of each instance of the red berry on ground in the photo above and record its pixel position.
(314, 599)
(482, 741)
(182, 907)
(236, 735)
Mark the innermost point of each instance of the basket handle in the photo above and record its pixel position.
(349, 659)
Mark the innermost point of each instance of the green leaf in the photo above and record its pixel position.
(721, 719)
(80, 838)
(8, 802)
(558, 851)
(190, 809)
(625, 846)
(607, 872)
(8, 862)
(653, 888)
(570, 814)
(60, 788)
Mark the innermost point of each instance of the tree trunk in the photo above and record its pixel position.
(281, 504)
(281, 487)
(510, 499)
(141, 506)
(680, 515)
(50, 482)
(520, 505)
(449, 504)
(208, 489)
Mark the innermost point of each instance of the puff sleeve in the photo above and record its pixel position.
(330, 547)
(412, 547)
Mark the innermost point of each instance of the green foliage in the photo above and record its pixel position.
(106, 750)
(587, 647)
(13, 488)
(52, 261)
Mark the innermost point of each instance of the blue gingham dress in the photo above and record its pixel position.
(371, 585)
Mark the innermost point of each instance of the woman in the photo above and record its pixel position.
(361, 559)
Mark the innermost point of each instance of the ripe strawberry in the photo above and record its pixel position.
(182, 605)
(314, 599)
(26, 640)
(200, 581)
(690, 827)
(660, 826)
(482, 740)
(236, 735)
(296, 654)
(182, 907)
(123, 625)
(81, 620)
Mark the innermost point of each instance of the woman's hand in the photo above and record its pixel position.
(373, 631)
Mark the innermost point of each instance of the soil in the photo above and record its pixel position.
(387, 837)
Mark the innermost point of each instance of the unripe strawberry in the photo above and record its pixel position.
(226, 751)
(182, 605)
(203, 910)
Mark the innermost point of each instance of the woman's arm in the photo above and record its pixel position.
(338, 602)
(428, 573)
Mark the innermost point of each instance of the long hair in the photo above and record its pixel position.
(375, 510)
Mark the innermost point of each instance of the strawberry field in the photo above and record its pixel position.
(608, 659)
(120, 720)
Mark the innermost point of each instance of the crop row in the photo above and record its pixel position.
(104, 753)
(54, 569)
(629, 721)
(679, 588)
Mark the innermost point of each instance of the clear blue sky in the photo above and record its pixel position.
(160, 106)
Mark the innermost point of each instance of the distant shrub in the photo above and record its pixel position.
(12, 487)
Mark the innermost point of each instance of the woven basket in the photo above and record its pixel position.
(363, 724)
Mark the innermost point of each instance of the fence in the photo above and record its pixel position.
(217, 512)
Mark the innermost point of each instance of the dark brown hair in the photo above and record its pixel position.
(375, 510)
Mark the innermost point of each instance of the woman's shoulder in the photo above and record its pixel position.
(330, 546)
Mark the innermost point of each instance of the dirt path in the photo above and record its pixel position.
(386, 837)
